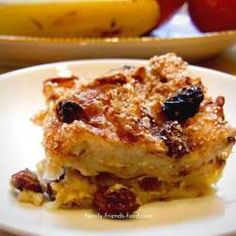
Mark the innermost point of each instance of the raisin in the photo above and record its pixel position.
(184, 173)
(184, 104)
(149, 183)
(175, 139)
(48, 187)
(68, 111)
(220, 163)
(61, 177)
(50, 192)
(26, 180)
(220, 102)
(231, 140)
(115, 202)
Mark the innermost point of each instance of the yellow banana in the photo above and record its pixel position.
(78, 18)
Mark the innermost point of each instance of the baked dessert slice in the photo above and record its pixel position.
(129, 137)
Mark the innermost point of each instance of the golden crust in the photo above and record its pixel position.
(124, 117)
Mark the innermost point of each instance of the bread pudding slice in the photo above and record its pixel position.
(131, 136)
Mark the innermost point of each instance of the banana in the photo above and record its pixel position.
(78, 18)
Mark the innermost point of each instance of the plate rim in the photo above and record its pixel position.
(6, 75)
(17, 230)
(109, 40)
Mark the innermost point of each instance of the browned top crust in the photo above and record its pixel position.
(125, 107)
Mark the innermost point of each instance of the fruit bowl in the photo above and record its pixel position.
(178, 35)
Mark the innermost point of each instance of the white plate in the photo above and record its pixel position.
(179, 35)
(20, 97)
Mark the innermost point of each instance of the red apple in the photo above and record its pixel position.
(213, 15)
(168, 8)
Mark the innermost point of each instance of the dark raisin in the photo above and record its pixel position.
(61, 177)
(149, 183)
(175, 139)
(184, 104)
(50, 192)
(220, 101)
(231, 140)
(68, 111)
(220, 163)
(184, 173)
(26, 180)
(48, 187)
(115, 202)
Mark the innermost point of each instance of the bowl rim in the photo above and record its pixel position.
(19, 38)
